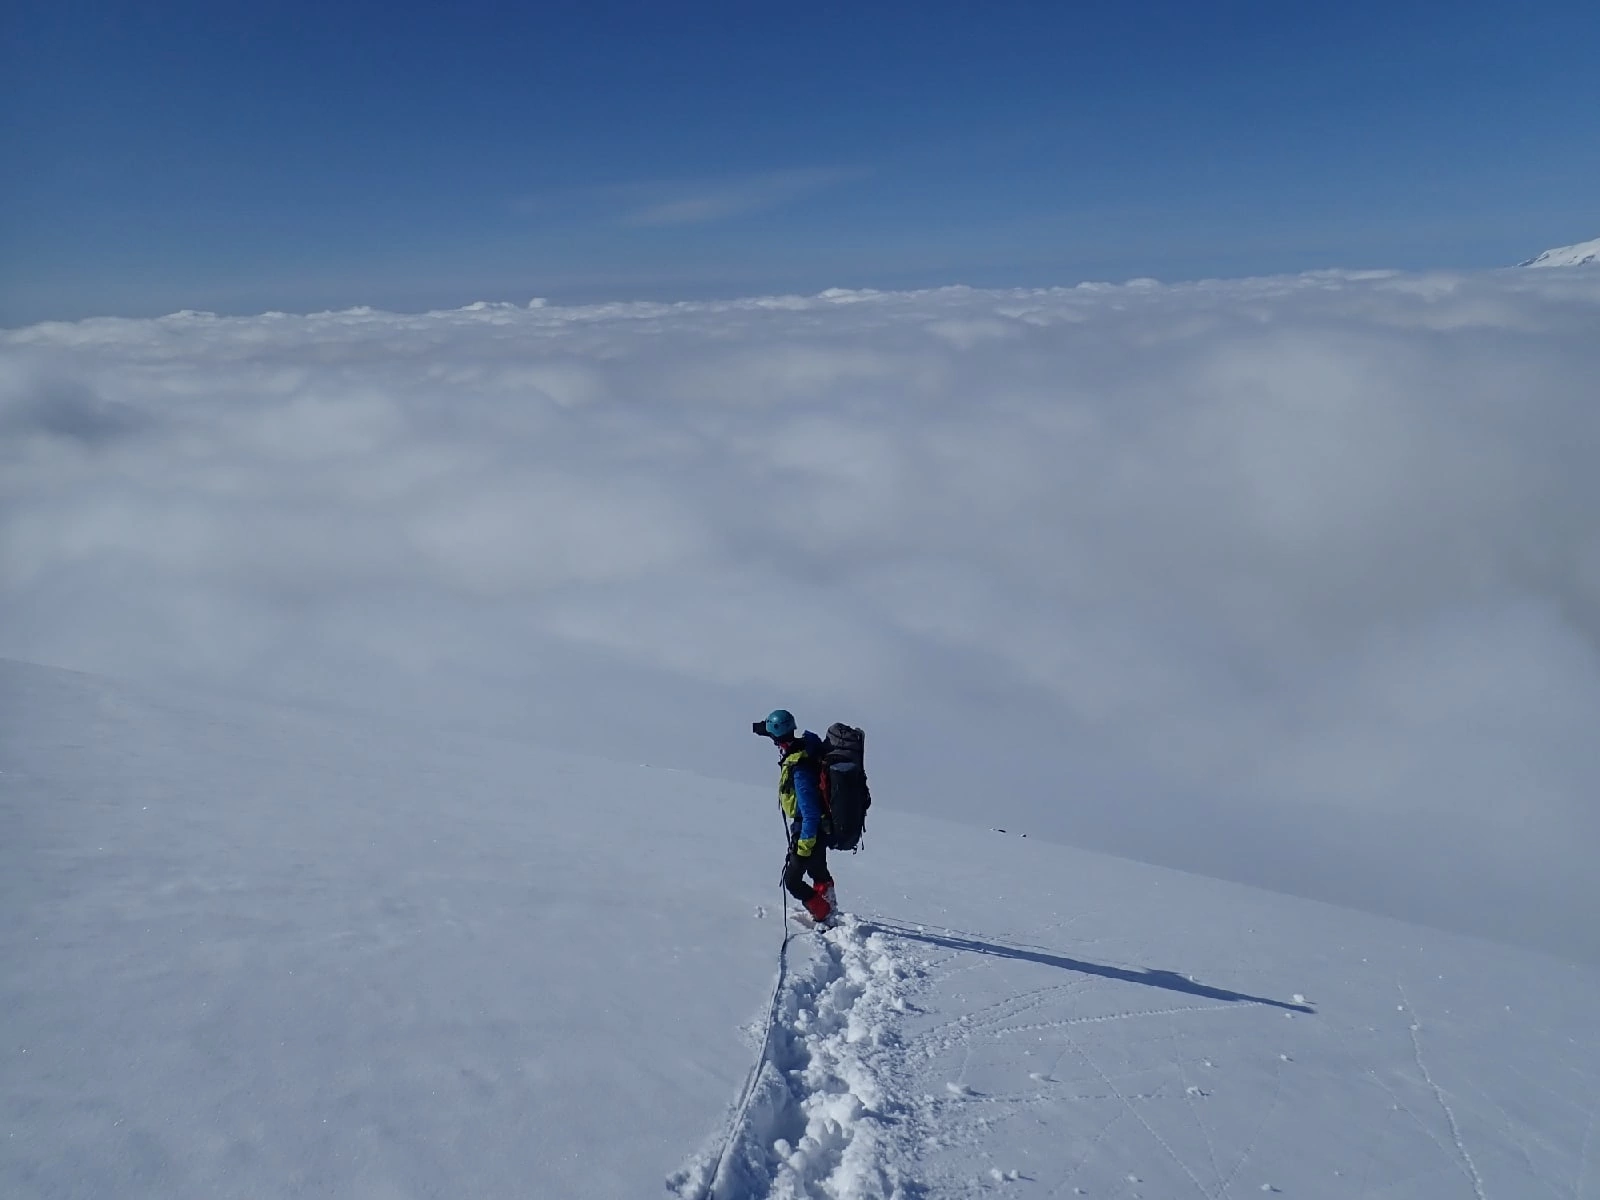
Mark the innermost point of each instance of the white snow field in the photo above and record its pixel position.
(256, 952)
(1582, 254)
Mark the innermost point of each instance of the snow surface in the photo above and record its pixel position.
(1580, 255)
(267, 952)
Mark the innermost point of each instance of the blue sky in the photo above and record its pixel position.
(244, 157)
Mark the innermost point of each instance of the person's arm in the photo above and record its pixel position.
(809, 801)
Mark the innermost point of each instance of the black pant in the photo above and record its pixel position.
(797, 867)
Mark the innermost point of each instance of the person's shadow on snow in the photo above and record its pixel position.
(1169, 980)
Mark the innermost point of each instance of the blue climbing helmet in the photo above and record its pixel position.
(780, 723)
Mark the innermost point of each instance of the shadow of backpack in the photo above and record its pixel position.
(845, 786)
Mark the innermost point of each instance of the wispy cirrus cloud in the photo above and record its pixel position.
(647, 203)
(700, 201)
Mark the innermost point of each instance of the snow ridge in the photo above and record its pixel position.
(1582, 254)
(815, 1122)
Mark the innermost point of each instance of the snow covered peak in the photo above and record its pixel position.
(1584, 254)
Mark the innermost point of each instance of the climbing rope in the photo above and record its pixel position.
(737, 1123)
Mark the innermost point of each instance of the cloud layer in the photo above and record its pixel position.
(1291, 580)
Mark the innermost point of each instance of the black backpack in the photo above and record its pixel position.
(844, 780)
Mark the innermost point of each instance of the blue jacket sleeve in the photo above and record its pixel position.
(808, 800)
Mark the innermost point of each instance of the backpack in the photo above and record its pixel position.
(844, 786)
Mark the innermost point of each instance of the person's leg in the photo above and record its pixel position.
(817, 867)
(821, 879)
(794, 878)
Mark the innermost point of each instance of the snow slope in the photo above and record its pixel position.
(1581, 255)
(257, 954)
(251, 952)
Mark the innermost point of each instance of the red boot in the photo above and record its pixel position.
(818, 906)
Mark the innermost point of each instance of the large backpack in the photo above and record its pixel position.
(844, 779)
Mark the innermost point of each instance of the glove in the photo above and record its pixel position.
(805, 846)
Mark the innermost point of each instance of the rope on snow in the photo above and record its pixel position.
(736, 1125)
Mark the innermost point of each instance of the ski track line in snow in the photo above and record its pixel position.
(815, 1108)
(986, 1019)
(1583, 1156)
(1449, 1159)
(1138, 1116)
(1413, 1025)
(1088, 1153)
(992, 1016)
(1508, 1122)
(1225, 1187)
(1066, 1022)
(1189, 1087)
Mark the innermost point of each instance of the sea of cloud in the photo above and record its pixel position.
(1294, 581)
